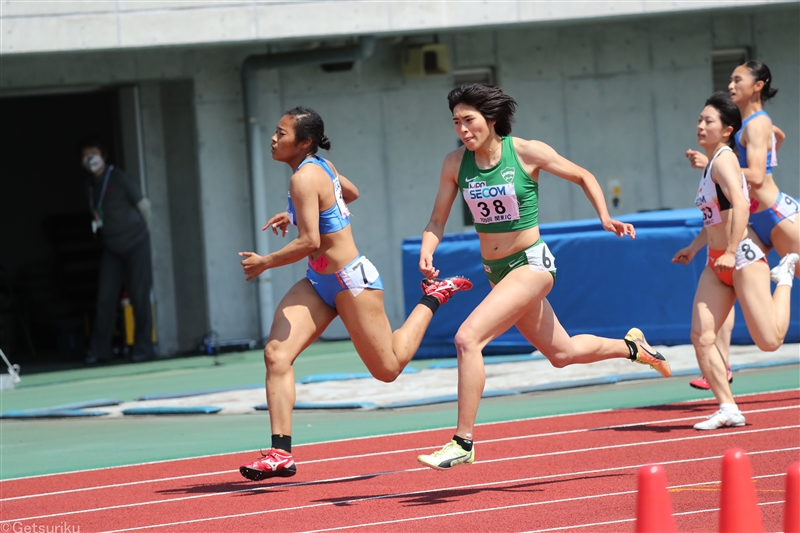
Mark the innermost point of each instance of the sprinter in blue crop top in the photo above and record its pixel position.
(339, 282)
(774, 218)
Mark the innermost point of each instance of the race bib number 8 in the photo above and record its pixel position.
(540, 258)
(494, 203)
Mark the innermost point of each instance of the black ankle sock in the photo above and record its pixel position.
(464, 443)
(430, 302)
(632, 348)
(282, 442)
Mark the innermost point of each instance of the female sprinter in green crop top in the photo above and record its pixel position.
(498, 177)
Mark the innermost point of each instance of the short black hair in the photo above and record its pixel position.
(92, 141)
(490, 101)
(729, 113)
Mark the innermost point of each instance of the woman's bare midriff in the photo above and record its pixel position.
(339, 250)
(500, 245)
(767, 195)
(718, 234)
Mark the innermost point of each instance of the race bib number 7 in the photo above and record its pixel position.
(362, 273)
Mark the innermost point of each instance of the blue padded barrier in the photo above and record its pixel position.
(605, 285)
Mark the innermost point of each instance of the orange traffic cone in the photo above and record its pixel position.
(791, 514)
(653, 505)
(739, 512)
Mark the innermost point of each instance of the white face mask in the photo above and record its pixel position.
(93, 163)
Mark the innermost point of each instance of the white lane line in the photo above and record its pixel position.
(413, 432)
(632, 519)
(375, 454)
(367, 476)
(531, 504)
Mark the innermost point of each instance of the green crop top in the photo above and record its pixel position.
(503, 198)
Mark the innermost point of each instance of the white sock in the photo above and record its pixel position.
(729, 407)
(786, 279)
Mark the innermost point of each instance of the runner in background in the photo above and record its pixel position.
(736, 266)
(339, 282)
(498, 176)
(773, 214)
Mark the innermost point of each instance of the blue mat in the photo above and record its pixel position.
(105, 402)
(187, 394)
(624, 283)
(336, 405)
(67, 410)
(492, 360)
(198, 410)
(51, 413)
(341, 376)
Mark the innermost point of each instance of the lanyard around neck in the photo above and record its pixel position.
(103, 190)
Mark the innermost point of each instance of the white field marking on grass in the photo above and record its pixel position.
(412, 432)
(632, 519)
(355, 500)
(366, 476)
(374, 454)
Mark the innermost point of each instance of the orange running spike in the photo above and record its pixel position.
(739, 512)
(653, 505)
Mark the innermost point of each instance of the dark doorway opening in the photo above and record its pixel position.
(49, 257)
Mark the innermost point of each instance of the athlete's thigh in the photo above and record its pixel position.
(300, 318)
(712, 302)
(517, 294)
(754, 292)
(786, 236)
(540, 326)
(365, 318)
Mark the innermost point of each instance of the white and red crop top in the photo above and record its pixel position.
(710, 199)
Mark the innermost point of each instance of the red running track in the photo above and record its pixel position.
(566, 473)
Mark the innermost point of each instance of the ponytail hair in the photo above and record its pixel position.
(760, 72)
(308, 125)
(729, 114)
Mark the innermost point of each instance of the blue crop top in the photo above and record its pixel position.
(741, 151)
(337, 217)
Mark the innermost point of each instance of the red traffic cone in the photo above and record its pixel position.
(653, 505)
(739, 512)
(791, 514)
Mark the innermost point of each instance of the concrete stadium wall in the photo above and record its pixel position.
(57, 26)
(618, 97)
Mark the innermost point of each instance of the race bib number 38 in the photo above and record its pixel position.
(493, 203)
